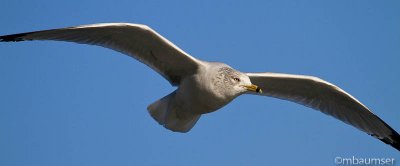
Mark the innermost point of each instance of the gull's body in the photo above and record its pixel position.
(204, 87)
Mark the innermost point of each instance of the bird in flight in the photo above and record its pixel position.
(204, 87)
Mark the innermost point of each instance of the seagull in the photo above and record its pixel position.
(204, 87)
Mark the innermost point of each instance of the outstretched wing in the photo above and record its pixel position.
(327, 98)
(135, 40)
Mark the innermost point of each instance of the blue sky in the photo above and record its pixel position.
(69, 104)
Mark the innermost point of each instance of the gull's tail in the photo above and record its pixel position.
(167, 113)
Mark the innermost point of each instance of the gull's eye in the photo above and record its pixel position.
(236, 79)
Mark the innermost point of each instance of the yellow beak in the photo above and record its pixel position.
(253, 88)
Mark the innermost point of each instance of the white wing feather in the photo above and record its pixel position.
(135, 40)
(327, 98)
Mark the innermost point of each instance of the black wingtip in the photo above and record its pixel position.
(14, 37)
(395, 143)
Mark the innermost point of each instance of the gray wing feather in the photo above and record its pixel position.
(135, 40)
(327, 98)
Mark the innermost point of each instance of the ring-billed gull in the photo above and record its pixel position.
(204, 87)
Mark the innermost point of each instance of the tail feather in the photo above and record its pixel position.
(167, 113)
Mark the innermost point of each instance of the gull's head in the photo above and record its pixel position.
(231, 82)
(242, 84)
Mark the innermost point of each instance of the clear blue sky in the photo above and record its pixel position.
(67, 104)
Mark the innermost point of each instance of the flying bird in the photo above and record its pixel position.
(204, 87)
